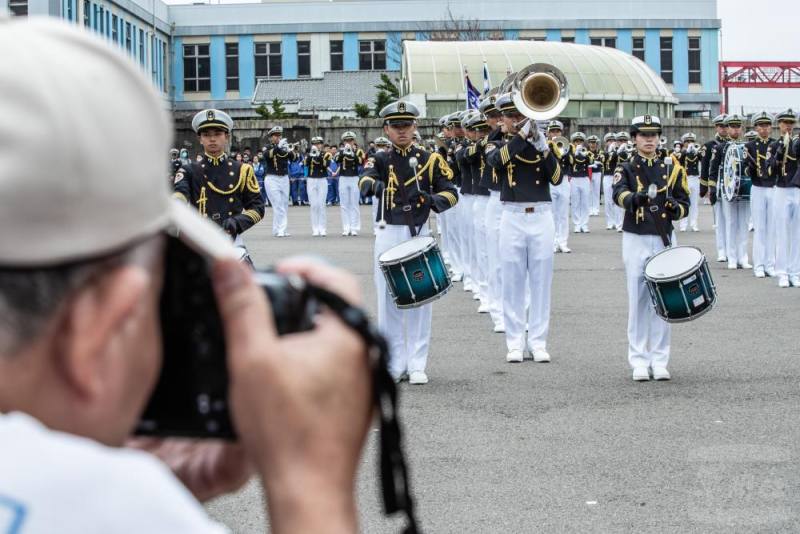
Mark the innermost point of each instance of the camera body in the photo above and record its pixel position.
(191, 396)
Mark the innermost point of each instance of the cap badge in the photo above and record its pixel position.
(648, 119)
(401, 107)
(210, 115)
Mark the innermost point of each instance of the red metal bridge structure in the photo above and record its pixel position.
(757, 75)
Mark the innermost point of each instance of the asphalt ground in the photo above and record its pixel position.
(575, 445)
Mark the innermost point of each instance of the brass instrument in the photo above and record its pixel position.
(561, 143)
(540, 91)
(314, 152)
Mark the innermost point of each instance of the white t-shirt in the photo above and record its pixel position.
(56, 482)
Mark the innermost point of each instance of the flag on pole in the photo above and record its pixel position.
(487, 81)
(473, 95)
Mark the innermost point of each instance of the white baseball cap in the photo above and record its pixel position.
(68, 96)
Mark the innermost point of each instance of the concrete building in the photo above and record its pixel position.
(216, 54)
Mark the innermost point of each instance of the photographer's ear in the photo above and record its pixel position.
(91, 336)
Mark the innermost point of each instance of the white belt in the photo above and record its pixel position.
(527, 207)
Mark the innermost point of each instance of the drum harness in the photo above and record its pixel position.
(652, 192)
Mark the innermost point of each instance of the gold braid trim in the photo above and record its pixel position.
(392, 186)
(537, 160)
(504, 155)
(444, 168)
(621, 198)
(179, 196)
(238, 185)
(451, 198)
(556, 174)
(249, 179)
(361, 182)
(253, 215)
(510, 173)
(201, 202)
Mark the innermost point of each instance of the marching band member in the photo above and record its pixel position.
(349, 159)
(597, 173)
(559, 193)
(406, 198)
(708, 184)
(442, 219)
(465, 226)
(613, 212)
(278, 154)
(220, 188)
(689, 159)
(762, 196)
(490, 179)
(317, 162)
(737, 213)
(785, 152)
(527, 230)
(477, 129)
(580, 161)
(453, 138)
(382, 145)
(643, 228)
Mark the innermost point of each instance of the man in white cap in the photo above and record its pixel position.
(349, 159)
(80, 340)
(317, 161)
(646, 227)
(278, 154)
(222, 189)
(405, 208)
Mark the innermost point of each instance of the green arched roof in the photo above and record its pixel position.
(593, 72)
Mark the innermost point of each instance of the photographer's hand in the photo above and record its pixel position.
(207, 468)
(301, 403)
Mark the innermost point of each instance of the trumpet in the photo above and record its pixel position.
(562, 143)
(611, 148)
(348, 150)
(314, 152)
(581, 151)
(540, 92)
(625, 148)
(691, 149)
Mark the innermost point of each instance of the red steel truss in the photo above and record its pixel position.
(757, 74)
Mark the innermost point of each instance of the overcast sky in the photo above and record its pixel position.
(777, 24)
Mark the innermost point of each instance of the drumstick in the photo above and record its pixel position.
(412, 162)
(652, 191)
(382, 221)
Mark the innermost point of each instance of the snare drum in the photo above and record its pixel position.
(680, 284)
(415, 272)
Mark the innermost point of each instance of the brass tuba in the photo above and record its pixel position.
(540, 91)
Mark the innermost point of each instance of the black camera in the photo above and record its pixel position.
(191, 396)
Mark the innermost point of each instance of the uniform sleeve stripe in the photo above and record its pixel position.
(621, 198)
(179, 196)
(451, 198)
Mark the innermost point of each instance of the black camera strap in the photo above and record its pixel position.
(393, 467)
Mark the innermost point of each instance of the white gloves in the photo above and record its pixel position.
(539, 143)
(283, 144)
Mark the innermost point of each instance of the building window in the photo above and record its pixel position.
(337, 55)
(372, 55)
(164, 65)
(128, 41)
(18, 8)
(567, 39)
(196, 68)
(87, 6)
(610, 42)
(102, 21)
(114, 28)
(141, 46)
(231, 66)
(268, 60)
(638, 47)
(694, 60)
(304, 58)
(666, 59)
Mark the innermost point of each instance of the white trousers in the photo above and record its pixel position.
(348, 202)
(494, 216)
(614, 213)
(408, 332)
(580, 201)
(317, 189)
(465, 238)
(694, 203)
(526, 241)
(787, 231)
(762, 208)
(560, 196)
(451, 218)
(596, 186)
(648, 334)
(721, 231)
(278, 193)
(737, 218)
(480, 267)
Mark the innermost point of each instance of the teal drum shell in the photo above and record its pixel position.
(415, 272)
(680, 284)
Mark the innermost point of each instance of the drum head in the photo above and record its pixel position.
(407, 249)
(673, 263)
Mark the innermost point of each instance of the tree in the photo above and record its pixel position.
(263, 111)
(461, 29)
(278, 111)
(362, 110)
(382, 99)
(389, 86)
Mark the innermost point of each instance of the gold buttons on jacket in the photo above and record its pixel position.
(230, 200)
